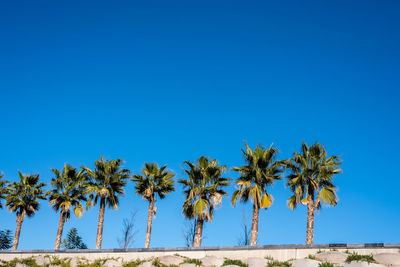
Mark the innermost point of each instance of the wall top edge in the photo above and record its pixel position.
(177, 249)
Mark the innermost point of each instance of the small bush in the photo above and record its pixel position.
(311, 257)
(134, 263)
(234, 262)
(276, 263)
(357, 257)
(197, 262)
(325, 264)
(270, 258)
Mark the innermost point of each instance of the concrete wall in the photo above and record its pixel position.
(279, 252)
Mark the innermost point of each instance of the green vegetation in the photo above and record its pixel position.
(261, 170)
(310, 180)
(197, 262)
(133, 263)
(5, 239)
(276, 263)
(73, 240)
(106, 182)
(62, 262)
(23, 199)
(203, 191)
(154, 181)
(270, 258)
(357, 257)
(311, 257)
(326, 264)
(27, 261)
(234, 262)
(68, 192)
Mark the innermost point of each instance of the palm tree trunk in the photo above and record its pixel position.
(60, 230)
(99, 236)
(310, 219)
(254, 226)
(149, 223)
(20, 220)
(199, 233)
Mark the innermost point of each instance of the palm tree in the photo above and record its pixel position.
(154, 181)
(261, 170)
(68, 192)
(310, 180)
(23, 199)
(204, 191)
(3, 189)
(106, 182)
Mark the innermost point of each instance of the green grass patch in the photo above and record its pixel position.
(326, 264)
(234, 262)
(134, 263)
(311, 257)
(27, 261)
(358, 257)
(276, 263)
(197, 262)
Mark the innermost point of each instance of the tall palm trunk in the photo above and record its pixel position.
(20, 220)
(254, 225)
(60, 230)
(199, 233)
(310, 219)
(99, 236)
(149, 222)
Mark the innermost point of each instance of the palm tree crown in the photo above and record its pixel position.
(261, 170)
(204, 188)
(154, 181)
(3, 189)
(311, 172)
(106, 181)
(23, 196)
(68, 191)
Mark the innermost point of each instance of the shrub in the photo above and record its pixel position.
(276, 263)
(197, 262)
(234, 262)
(325, 264)
(357, 257)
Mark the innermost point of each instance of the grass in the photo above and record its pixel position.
(63, 262)
(325, 264)
(312, 257)
(276, 263)
(234, 262)
(358, 257)
(27, 261)
(134, 263)
(197, 262)
(270, 258)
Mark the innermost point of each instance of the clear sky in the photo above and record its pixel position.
(169, 81)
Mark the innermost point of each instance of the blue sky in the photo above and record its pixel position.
(171, 81)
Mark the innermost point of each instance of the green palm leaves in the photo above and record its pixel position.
(3, 189)
(23, 199)
(106, 182)
(203, 191)
(68, 192)
(261, 170)
(154, 181)
(310, 180)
